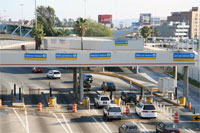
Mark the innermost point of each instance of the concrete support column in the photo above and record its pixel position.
(175, 76)
(81, 84)
(75, 81)
(103, 69)
(137, 69)
(186, 82)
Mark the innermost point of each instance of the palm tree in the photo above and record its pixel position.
(80, 28)
(38, 33)
(145, 32)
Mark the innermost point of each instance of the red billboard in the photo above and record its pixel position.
(105, 19)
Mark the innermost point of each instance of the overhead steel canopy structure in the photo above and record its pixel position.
(88, 58)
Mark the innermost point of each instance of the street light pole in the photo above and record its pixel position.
(22, 21)
(35, 13)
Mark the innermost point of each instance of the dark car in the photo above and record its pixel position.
(86, 85)
(23, 47)
(129, 128)
(129, 97)
(37, 70)
(108, 86)
(167, 127)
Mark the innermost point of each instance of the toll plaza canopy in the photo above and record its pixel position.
(92, 58)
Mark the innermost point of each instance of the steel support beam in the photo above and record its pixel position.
(186, 82)
(81, 84)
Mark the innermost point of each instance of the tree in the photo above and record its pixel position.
(97, 30)
(38, 33)
(145, 32)
(46, 17)
(80, 29)
(157, 32)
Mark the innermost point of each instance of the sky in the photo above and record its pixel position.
(120, 9)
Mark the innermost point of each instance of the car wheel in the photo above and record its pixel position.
(107, 118)
(97, 105)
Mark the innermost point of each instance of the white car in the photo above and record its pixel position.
(112, 111)
(54, 74)
(146, 110)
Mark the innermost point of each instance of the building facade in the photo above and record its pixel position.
(191, 17)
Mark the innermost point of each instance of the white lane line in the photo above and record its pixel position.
(144, 127)
(66, 122)
(19, 118)
(104, 123)
(60, 122)
(138, 126)
(105, 131)
(189, 131)
(27, 126)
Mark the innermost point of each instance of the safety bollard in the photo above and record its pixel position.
(194, 111)
(74, 109)
(190, 106)
(39, 107)
(176, 119)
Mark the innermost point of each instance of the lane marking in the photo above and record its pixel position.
(27, 126)
(98, 123)
(19, 118)
(137, 125)
(104, 123)
(70, 130)
(60, 122)
(144, 127)
(189, 131)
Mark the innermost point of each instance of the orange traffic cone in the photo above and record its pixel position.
(127, 110)
(39, 106)
(74, 109)
(176, 117)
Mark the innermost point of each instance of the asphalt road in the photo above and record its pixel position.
(62, 119)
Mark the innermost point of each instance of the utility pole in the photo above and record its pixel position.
(84, 8)
(35, 13)
(22, 21)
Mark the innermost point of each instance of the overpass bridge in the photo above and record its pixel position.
(108, 55)
(15, 29)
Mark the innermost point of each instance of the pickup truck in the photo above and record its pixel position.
(101, 100)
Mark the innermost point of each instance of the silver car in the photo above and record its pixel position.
(129, 128)
(54, 74)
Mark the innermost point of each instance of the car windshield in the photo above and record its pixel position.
(89, 76)
(149, 107)
(115, 109)
(56, 72)
(131, 94)
(170, 126)
(110, 83)
(132, 127)
(105, 99)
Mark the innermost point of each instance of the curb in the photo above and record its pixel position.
(137, 84)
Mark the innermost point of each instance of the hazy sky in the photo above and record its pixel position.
(120, 9)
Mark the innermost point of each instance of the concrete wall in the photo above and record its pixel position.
(194, 72)
(118, 58)
(91, 43)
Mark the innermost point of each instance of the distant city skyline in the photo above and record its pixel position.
(120, 9)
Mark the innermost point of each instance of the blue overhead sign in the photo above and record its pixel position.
(100, 56)
(121, 42)
(35, 56)
(185, 57)
(145, 56)
(66, 56)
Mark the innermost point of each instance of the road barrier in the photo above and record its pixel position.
(74, 109)
(176, 117)
(39, 106)
(34, 91)
(182, 100)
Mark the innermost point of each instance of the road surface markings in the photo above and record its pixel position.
(27, 126)
(103, 123)
(105, 131)
(60, 122)
(19, 119)
(143, 127)
(189, 131)
(66, 122)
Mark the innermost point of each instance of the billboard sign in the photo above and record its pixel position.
(184, 57)
(35, 56)
(66, 56)
(145, 18)
(121, 42)
(105, 19)
(145, 56)
(100, 56)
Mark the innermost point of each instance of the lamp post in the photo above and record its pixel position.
(35, 13)
(22, 21)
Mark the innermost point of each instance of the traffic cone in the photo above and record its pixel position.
(39, 107)
(176, 118)
(127, 110)
(74, 109)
